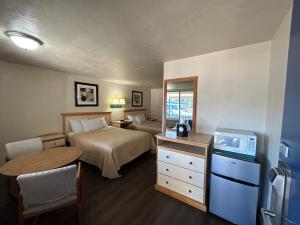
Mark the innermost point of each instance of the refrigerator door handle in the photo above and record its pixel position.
(265, 216)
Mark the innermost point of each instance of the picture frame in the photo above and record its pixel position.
(86, 94)
(137, 99)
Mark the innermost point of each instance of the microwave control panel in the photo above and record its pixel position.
(251, 145)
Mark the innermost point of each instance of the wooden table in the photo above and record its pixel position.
(40, 161)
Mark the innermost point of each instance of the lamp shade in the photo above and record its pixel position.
(122, 101)
(117, 103)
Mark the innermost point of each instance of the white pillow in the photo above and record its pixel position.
(90, 125)
(76, 125)
(140, 118)
(131, 118)
(102, 122)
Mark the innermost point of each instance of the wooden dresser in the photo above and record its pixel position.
(182, 167)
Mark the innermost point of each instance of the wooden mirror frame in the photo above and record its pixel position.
(195, 89)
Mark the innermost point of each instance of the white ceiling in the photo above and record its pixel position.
(127, 41)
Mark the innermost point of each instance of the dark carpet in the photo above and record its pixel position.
(130, 200)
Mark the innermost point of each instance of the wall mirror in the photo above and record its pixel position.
(180, 102)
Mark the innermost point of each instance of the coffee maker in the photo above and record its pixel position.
(182, 128)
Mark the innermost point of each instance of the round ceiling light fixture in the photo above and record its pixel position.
(23, 40)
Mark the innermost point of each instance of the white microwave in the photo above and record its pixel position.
(237, 141)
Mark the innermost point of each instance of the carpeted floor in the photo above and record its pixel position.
(130, 200)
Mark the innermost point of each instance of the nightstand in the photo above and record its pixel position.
(53, 140)
(152, 119)
(121, 124)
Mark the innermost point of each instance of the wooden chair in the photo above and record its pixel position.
(16, 149)
(50, 190)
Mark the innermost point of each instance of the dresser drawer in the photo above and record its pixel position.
(182, 174)
(188, 190)
(54, 143)
(182, 160)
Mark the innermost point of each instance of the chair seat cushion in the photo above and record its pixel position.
(49, 206)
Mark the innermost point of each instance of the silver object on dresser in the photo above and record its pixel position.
(280, 178)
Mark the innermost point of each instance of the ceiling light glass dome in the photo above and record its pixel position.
(23, 40)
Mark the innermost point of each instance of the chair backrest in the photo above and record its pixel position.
(16, 149)
(47, 187)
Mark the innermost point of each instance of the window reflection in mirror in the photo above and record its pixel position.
(179, 103)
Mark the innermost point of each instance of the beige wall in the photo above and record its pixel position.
(32, 99)
(278, 71)
(232, 87)
(156, 103)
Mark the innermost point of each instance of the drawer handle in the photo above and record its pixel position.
(54, 143)
(167, 182)
(167, 156)
(190, 191)
(191, 163)
(190, 177)
(167, 169)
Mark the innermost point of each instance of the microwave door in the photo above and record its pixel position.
(230, 143)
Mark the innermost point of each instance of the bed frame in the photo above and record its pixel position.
(134, 112)
(83, 115)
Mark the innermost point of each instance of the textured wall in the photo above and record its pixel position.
(156, 103)
(232, 87)
(278, 71)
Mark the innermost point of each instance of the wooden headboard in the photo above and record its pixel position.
(83, 115)
(134, 112)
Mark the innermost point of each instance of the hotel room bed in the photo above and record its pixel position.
(153, 127)
(109, 148)
(150, 126)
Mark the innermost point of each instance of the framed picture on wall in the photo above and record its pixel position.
(86, 94)
(137, 99)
